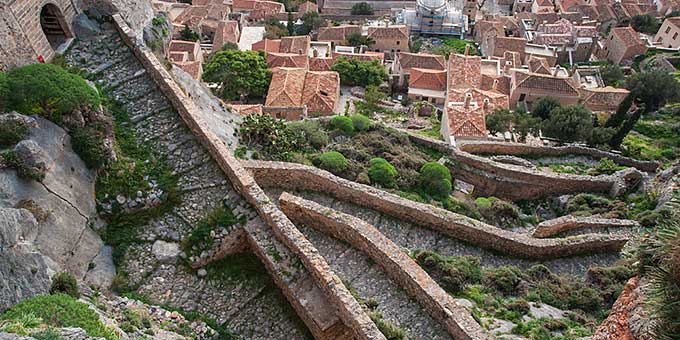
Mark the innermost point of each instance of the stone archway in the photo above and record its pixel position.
(53, 25)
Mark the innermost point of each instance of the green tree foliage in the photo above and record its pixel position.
(612, 75)
(65, 282)
(311, 21)
(654, 88)
(188, 35)
(572, 123)
(309, 133)
(238, 73)
(269, 133)
(229, 46)
(4, 91)
(435, 180)
(48, 90)
(362, 8)
(362, 73)
(360, 122)
(274, 29)
(344, 124)
(373, 96)
(89, 143)
(644, 23)
(356, 39)
(519, 122)
(382, 172)
(332, 161)
(621, 113)
(619, 135)
(415, 45)
(544, 106)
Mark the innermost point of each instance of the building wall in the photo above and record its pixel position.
(390, 46)
(668, 35)
(22, 37)
(616, 51)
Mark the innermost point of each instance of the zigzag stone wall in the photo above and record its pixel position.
(515, 182)
(391, 258)
(519, 149)
(302, 177)
(557, 225)
(346, 307)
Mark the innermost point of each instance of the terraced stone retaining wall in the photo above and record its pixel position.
(396, 263)
(519, 149)
(301, 177)
(565, 223)
(347, 308)
(516, 182)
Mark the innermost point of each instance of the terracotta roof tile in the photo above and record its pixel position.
(286, 87)
(389, 32)
(465, 71)
(320, 64)
(297, 87)
(247, 109)
(427, 79)
(337, 33)
(538, 65)
(366, 56)
(308, 7)
(267, 45)
(286, 60)
(627, 36)
(193, 68)
(408, 60)
(605, 98)
(558, 85)
(295, 44)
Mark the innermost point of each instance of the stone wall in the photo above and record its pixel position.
(519, 149)
(302, 177)
(516, 182)
(565, 223)
(396, 263)
(347, 308)
(22, 37)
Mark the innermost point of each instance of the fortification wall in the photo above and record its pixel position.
(519, 149)
(347, 308)
(396, 263)
(515, 182)
(302, 177)
(565, 223)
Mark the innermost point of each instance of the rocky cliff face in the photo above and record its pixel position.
(48, 226)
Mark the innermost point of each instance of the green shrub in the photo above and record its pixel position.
(89, 143)
(48, 90)
(201, 236)
(332, 161)
(456, 206)
(605, 166)
(520, 306)
(360, 122)
(484, 202)
(453, 272)
(269, 133)
(586, 299)
(344, 124)
(24, 171)
(435, 180)
(387, 328)
(382, 172)
(12, 131)
(504, 278)
(309, 133)
(64, 282)
(539, 272)
(588, 204)
(61, 310)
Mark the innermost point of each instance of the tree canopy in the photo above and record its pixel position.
(542, 107)
(362, 8)
(644, 23)
(311, 21)
(46, 89)
(362, 73)
(654, 88)
(612, 75)
(573, 123)
(187, 34)
(356, 39)
(519, 122)
(238, 73)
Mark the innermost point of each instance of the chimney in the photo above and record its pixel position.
(486, 103)
(299, 51)
(557, 69)
(468, 98)
(495, 85)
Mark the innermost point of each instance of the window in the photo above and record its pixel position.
(675, 36)
(522, 97)
(397, 42)
(668, 29)
(323, 92)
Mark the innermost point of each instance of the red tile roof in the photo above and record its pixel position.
(320, 64)
(308, 7)
(193, 68)
(296, 44)
(247, 109)
(627, 36)
(544, 82)
(286, 87)
(465, 71)
(337, 33)
(389, 32)
(408, 60)
(297, 87)
(605, 98)
(538, 65)
(366, 56)
(267, 45)
(427, 79)
(286, 60)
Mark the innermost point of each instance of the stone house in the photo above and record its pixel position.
(520, 6)
(180, 50)
(227, 32)
(337, 35)
(258, 9)
(527, 86)
(389, 39)
(275, 59)
(542, 6)
(427, 85)
(295, 91)
(307, 7)
(405, 61)
(295, 44)
(668, 34)
(622, 45)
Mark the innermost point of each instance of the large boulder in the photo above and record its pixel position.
(136, 13)
(84, 27)
(33, 157)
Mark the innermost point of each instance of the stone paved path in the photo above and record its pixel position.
(248, 309)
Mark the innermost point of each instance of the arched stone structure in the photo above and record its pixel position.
(20, 21)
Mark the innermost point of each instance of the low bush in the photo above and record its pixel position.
(381, 172)
(605, 166)
(309, 134)
(588, 204)
(64, 282)
(332, 161)
(390, 330)
(344, 124)
(61, 310)
(89, 142)
(12, 131)
(269, 133)
(520, 306)
(435, 180)
(360, 122)
(504, 279)
(453, 272)
(201, 237)
(456, 206)
(24, 171)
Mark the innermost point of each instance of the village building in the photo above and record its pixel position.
(427, 85)
(622, 45)
(295, 93)
(405, 61)
(542, 6)
(389, 39)
(337, 35)
(227, 32)
(668, 35)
